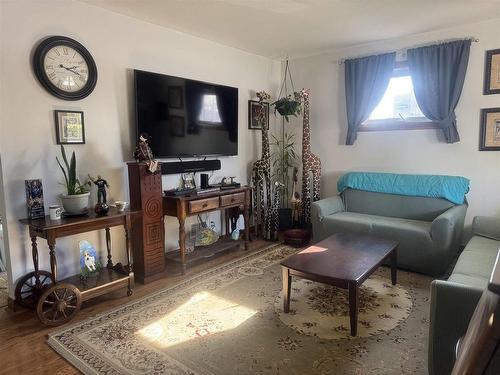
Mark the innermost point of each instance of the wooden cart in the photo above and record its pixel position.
(58, 301)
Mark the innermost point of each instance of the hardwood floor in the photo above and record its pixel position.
(23, 349)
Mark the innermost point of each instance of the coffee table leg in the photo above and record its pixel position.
(394, 266)
(353, 308)
(287, 281)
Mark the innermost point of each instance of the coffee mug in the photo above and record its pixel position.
(55, 212)
(121, 205)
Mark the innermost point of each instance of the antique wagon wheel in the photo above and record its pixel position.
(29, 288)
(58, 304)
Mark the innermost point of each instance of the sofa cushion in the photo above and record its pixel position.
(389, 227)
(393, 205)
(349, 222)
(476, 261)
(469, 280)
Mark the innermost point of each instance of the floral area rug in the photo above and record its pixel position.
(323, 310)
(229, 320)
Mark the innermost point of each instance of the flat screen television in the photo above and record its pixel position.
(185, 117)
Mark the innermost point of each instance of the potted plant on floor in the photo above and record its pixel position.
(76, 199)
(285, 158)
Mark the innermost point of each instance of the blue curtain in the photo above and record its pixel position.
(438, 74)
(366, 80)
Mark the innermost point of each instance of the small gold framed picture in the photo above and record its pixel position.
(489, 133)
(69, 127)
(492, 72)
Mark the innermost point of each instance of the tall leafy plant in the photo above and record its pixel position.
(73, 185)
(285, 157)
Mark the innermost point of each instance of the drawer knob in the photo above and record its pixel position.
(232, 199)
(204, 205)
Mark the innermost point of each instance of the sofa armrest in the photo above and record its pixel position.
(486, 226)
(452, 306)
(446, 229)
(327, 206)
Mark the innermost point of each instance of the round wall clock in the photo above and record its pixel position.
(65, 68)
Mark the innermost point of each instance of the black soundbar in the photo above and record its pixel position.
(189, 166)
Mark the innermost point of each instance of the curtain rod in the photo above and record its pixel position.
(441, 41)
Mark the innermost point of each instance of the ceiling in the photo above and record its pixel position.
(277, 28)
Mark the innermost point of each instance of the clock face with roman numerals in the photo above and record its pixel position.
(65, 68)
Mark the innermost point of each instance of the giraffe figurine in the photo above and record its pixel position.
(311, 165)
(261, 179)
(274, 211)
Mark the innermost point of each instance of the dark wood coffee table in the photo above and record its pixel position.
(343, 260)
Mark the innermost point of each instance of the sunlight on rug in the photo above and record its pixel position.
(204, 314)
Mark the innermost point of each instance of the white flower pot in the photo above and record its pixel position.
(75, 204)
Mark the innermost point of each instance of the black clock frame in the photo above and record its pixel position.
(38, 58)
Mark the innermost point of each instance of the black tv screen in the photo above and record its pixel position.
(185, 117)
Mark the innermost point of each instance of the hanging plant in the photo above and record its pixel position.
(288, 104)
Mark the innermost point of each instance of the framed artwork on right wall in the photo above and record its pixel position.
(489, 130)
(492, 72)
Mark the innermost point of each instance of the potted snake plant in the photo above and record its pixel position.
(76, 199)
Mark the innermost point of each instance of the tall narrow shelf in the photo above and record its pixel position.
(148, 234)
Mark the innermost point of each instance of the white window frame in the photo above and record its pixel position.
(414, 123)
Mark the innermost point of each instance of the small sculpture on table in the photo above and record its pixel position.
(101, 208)
(89, 262)
(143, 153)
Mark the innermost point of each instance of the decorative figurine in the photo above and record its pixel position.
(101, 208)
(295, 199)
(143, 153)
(274, 212)
(34, 198)
(311, 166)
(261, 179)
(89, 263)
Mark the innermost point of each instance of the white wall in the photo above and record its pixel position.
(417, 151)
(118, 44)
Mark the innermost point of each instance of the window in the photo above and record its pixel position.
(209, 113)
(398, 109)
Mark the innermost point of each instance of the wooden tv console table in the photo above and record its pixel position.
(184, 206)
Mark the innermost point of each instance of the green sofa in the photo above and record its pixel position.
(428, 229)
(453, 301)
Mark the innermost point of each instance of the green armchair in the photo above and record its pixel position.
(453, 301)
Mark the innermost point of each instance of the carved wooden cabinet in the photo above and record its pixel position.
(148, 234)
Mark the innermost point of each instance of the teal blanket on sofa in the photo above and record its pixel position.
(452, 188)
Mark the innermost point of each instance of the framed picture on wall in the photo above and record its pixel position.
(69, 127)
(492, 72)
(258, 114)
(489, 134)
